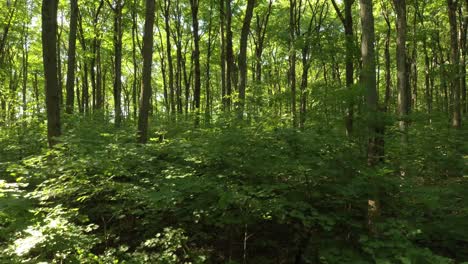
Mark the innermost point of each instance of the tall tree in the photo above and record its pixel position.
(243, 56)
(222, 24)
(293, 13)
(368, 77)
(229, 54)
(147, 62)
(347, 21)
(71, 56)
(402, 70)
(49, 53)
(117, 7)
(455, 62)
(167, 27)
(196, 57)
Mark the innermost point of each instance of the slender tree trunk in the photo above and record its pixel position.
(229, 55)
(464, 52)
(388, 69)
(292, 58)
(208, 68)
(59, 63)
(196, 58)
(25, 67)
(147, 61)
(117, 10)
(455, 61)
(179, 59)
(71, 68)
(222, 23)
(347, 21)
(427, 79)
(49, 45)
(368, 77)
(368, 80)
(243, 57)
(403, 99)
(134, 59)
(169, 55)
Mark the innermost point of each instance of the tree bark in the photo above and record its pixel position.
(455, 61)
(71, 68)
(117, 10)
(243, 57)
(49, 46)
(368, 77)
(402, 74)
(292, 58)
(229, 55)
(167, 4)
(347, 21)
(147, 62)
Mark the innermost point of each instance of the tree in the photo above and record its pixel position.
(293, 17)
(368, 78)
(455, 62)
(117, 7)
(347, 21)
(196, 57)
(147, 62)
(243, 56)
(167, 27)
(229, 55)
(49, 45)
(402, 71)
(71, 56)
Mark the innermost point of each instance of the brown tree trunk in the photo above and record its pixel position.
(402, 74)
(229, 55)
(167, 6)
(347, 21)
(292, 58)
(388, 69)
(135, 80)
(25, 62)
(243, 57)
(196, 59)
(49, 46)
(117, 10)
(222, 24)
(368, 77)
(147, 61)
(71, 68)
(455, 61)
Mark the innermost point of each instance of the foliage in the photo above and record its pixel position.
(202, 197)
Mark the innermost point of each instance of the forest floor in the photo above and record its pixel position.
(225, 194)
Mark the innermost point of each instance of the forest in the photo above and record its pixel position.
(233, 131)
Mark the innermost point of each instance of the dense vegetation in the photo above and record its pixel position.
(230, 131)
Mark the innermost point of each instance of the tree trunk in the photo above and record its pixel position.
(117, 10)
(292, 58)
(71, 68)
(134, 59)
(208, 68)
(368, 77)
(402, 74)
(167, 4)
(243, 57)
(347, 21)
(455, 61)
(222, 23)
(147, 61)
(196, 58)
(25, 67)
(49, 45)
(229, 55)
